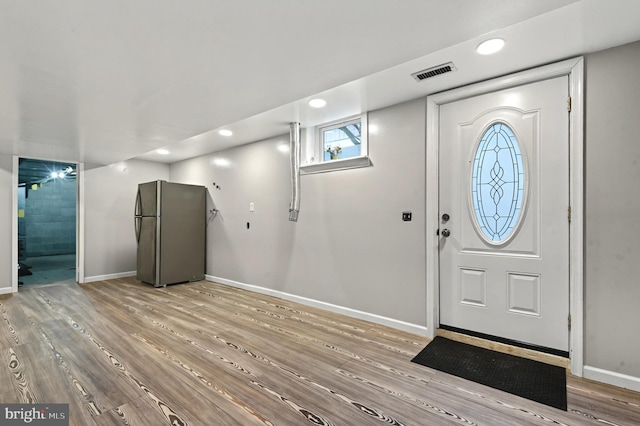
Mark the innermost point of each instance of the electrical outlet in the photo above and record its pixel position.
(406, 216)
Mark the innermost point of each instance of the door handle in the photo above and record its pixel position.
(136, 216)
(137, 224)
(138, 207)
(445, 233)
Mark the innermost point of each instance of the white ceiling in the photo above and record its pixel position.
(105, 81)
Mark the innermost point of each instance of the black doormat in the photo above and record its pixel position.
(529, 379)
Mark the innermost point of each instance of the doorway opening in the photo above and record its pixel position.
(47, 206)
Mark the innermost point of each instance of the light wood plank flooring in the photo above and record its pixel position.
(121, 352)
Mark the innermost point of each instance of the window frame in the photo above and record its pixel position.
(313, 147)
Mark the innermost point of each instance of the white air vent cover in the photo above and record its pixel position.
(434, 71)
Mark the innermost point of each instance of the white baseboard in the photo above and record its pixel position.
(6, 290)
(390, 322)
(612, 378)
(109, 276)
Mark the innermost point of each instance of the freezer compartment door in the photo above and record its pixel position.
(147, 250)
(147, 199)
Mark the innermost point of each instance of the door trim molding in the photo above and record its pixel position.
(80, 219)
(574, 69)
(14, 226)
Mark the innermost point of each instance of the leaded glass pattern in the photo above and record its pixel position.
(497, 183)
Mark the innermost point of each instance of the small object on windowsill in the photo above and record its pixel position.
(334, 151)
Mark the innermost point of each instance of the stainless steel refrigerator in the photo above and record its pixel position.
(170, 222)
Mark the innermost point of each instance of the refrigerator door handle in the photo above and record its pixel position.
(137, 222)
(138, 207)
(136, 216)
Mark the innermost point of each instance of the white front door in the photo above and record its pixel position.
(504, 225)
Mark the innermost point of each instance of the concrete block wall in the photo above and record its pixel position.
(50, 219)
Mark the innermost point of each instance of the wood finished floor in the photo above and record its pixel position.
(120, 352)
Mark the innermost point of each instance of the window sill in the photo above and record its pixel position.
(329, 166)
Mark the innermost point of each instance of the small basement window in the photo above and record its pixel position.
(337, 145)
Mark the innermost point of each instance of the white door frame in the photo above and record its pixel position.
(574, 69)
(14, 226)
(79, 220)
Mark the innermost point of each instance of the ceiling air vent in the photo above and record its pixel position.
(432, 72)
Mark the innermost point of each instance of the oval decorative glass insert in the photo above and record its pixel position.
(497, 183)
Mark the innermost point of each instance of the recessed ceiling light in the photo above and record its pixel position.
(222, 162)
(163, 151)
(317, 103)
(225, 132)
(488, 47)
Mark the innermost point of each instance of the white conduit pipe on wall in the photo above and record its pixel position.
(294, 152)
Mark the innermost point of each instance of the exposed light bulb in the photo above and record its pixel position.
(225, 132)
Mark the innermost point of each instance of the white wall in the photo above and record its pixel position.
(612, 269)
(109, 198)
(349, 247)
(6, 218)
